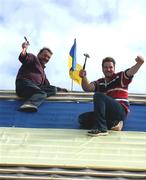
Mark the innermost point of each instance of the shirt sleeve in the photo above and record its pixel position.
(125, 79)
(28, 58)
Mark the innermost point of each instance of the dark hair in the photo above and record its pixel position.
(108, 59)
(45, 48)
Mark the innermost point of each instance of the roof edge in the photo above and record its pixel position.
(78, 96)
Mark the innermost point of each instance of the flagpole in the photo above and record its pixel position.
(72, 83)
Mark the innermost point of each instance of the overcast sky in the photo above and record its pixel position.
(102, 28)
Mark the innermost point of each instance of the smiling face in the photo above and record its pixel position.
(44, 56)
(108, 69)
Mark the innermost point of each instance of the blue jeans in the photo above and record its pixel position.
(34, 94)
(107, 113)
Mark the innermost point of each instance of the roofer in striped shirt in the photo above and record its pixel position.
(110, 98)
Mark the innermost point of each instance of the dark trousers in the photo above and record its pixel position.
(107, 113)
(34, 94)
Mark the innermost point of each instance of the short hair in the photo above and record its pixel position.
(108, 59)
(45, 48)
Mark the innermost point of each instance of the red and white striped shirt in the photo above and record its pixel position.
(116, 88)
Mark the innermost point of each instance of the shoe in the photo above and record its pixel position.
(118, 127)
(28, 108)
(95, 132)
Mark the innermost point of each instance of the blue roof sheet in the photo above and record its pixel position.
(61, 115)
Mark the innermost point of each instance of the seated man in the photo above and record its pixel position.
(110, 99)
(31, 81)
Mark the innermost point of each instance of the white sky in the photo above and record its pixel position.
(102, 28)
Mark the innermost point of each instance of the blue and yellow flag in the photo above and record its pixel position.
(74, 68)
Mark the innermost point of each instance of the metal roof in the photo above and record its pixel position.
(50, 145)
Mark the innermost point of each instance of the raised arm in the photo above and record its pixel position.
(24, 48)
(133, 70)
(88, 87)
(23, 55)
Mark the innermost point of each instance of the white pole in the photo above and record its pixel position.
(72, 85)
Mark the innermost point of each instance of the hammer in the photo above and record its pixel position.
(26, 40)
(86, 56)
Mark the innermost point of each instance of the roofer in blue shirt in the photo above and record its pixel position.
(31, 81)
(110, 98)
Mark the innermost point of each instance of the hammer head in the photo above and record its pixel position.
(26, 40)
(86, 55)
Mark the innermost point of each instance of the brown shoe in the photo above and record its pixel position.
(118, 127)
